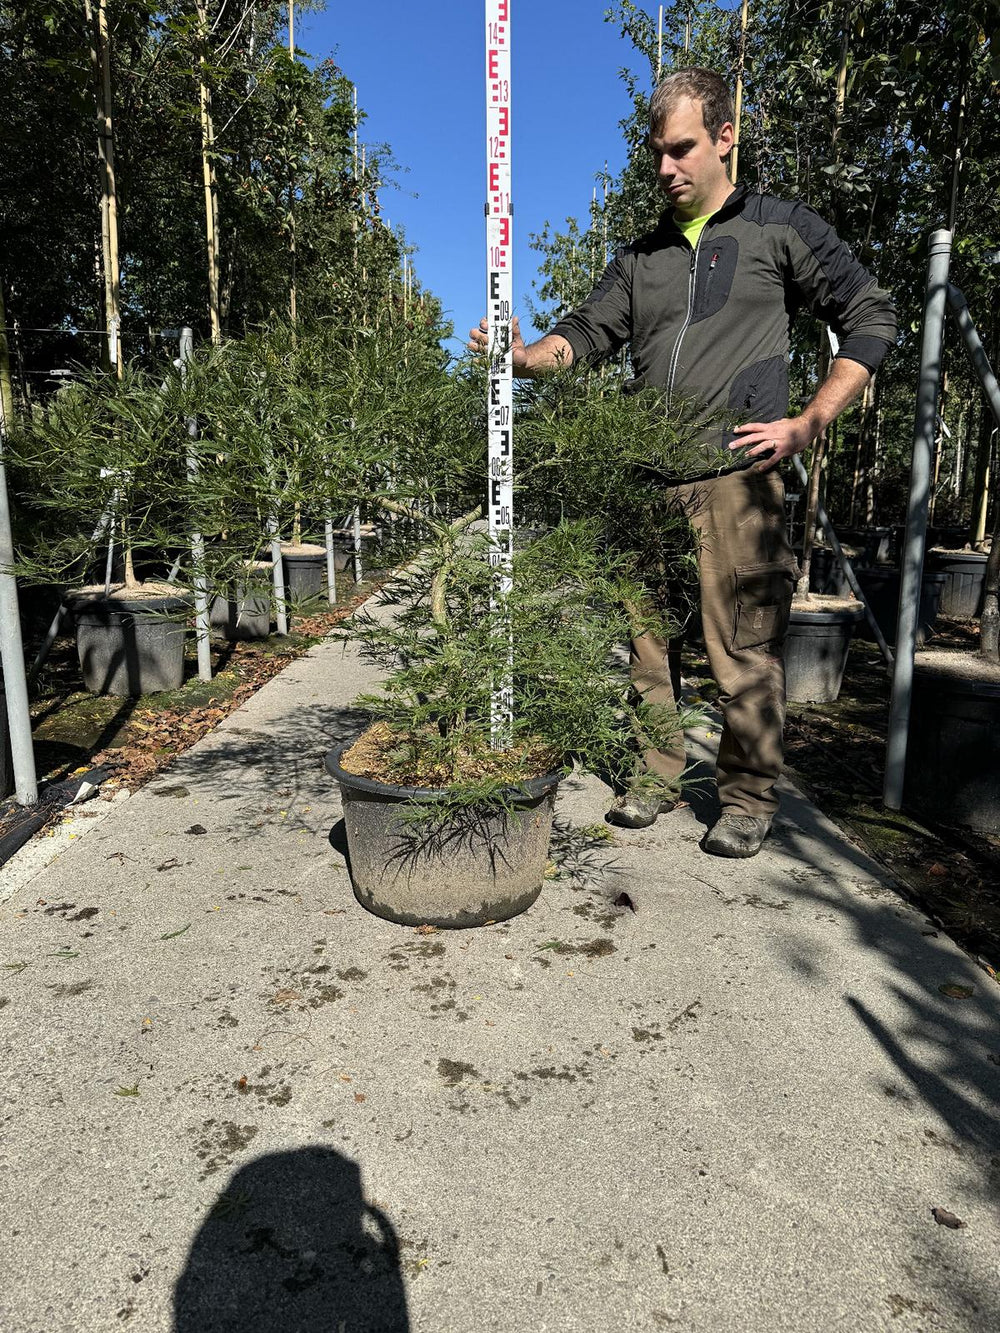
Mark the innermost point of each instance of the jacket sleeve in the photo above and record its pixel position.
(839, 290)
(603, 323)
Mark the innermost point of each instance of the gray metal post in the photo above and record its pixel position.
(916, 517)
(977, 352)
(201, 617)
(845, 565)
(278, 575)
(331, 567)
(12, 650)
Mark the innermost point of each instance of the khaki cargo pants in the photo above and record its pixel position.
(747, 574)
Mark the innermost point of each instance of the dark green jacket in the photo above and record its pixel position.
(712, 324)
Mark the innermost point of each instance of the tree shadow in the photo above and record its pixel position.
(292, 1246)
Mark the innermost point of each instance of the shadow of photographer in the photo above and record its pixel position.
(292, 1246)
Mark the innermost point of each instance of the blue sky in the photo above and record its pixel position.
(419, 64)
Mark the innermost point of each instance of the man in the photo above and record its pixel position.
(706, 301)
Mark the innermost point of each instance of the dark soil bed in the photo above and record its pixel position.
(836, 752)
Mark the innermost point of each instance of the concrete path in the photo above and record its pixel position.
(233, 1100)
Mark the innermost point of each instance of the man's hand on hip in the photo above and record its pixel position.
(771, 441)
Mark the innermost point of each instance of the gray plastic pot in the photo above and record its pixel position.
(816, 649)
(964, 572)
(305, 572)
(246, 615)
(131, 646)
(953, 751)
(480, 868)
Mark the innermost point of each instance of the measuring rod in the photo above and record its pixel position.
(500, 288)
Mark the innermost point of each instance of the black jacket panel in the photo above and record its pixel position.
(712, 324)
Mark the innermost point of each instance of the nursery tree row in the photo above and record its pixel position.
(883, 118)
(229, 169)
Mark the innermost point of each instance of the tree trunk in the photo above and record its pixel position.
(981, 484)
(861, 453)
(6, 387)
(208, 176)
(989, 623)
(815, 475)
(100, 55)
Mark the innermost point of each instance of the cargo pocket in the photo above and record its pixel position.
(763, 603)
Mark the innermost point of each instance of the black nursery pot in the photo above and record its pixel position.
(881, 589)
(953, 750)
(483, 867)
(6, 759)
(965, 574)
(816, 649)
(131, 646)
(305, 572)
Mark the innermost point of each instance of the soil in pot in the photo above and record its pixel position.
(467, 868)
(816, 646)
(246, 612)
(130, 642)
(962, 591)
(880, 586)
(305, 571)
(953, 749)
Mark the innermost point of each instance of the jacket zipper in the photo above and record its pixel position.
(692, 282)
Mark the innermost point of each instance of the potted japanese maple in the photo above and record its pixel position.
(448, 823)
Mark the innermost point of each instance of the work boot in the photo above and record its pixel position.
(737, 835)
(636, 810)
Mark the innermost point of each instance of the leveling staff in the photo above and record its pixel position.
(706, 301)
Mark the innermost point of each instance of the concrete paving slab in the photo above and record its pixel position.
(232, 1099)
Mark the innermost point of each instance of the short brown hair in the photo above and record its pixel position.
(709, 88)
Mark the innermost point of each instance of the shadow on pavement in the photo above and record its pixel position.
(292, 1247)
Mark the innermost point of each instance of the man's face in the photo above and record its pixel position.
(689, 166)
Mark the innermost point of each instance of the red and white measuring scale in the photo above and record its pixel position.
(500, 295)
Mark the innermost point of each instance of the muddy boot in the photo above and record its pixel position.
(737, 835)
(634, 810)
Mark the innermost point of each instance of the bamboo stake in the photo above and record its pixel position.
(100, 56)
(208, 177)
(735, 157)
(6, 384)
(659, 47)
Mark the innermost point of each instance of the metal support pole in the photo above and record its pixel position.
(331, 568)
(201, 617)
(916, 517)
(12, 650)
(845, 564)
(977, 352)
(278, 575)
(357, 546)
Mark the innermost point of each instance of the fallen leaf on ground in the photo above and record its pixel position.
(956, 992)
(122, 1091)
(285, 996)
(172, 934)
(359, 1097)
(936, 869)
(945, 1219)
(623, 900)
(169, 865)
(426, 930)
